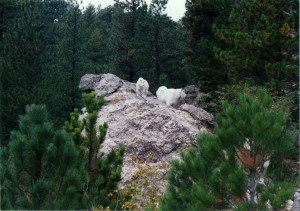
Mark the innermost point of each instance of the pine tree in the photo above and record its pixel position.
(227, 165)
(41, 168)
(53, 83)
(29, 52)
(97, 48)
(173, 48)
(92, 40)
(104, 171)
(124, 32)
(167, 47)
(160, 48)
(7, 9)
(261, 43)
(71, 48)
(156, 9)
(89, 18)
(7, 15)
(99, 45)
(201, 15)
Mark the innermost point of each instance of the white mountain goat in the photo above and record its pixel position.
(171, 97)
(142, 88)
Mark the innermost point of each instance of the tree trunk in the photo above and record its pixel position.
(157, 64)
(131, 57)
(131, 69)
(74, 59)
(252, 186)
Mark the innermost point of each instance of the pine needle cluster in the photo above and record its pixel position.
(46, 169)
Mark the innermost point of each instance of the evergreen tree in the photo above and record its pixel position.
(207, 71)
(72, 53)
(28, 59)
(89, 19)
(124, 33)
(141, 41)
(156, 9)
(99, 45)
(97, 48)
(41, 168)
(173, 49)
(232, 41)
(104, 171)
(261, 43)
(53, 83)
(167, 47)
(92, 40)
(7, 9)
(160, 48)
(227, 165)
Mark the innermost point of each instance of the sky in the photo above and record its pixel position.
(175, 8)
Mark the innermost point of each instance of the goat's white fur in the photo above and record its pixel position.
(170, 97)
(142, 87)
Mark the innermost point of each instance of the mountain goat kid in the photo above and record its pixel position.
(142, 87)
(171, 97)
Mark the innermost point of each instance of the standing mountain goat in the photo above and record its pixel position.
(142, 87)
(170, 96)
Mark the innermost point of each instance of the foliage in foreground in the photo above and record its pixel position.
(41, 168)
(104, 171)
(229, 169)
(47, 169)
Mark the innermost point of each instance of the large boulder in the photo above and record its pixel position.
(103, 84)
(144, 126)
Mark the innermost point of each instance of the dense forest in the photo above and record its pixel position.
(221, 46)
(47, 46)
